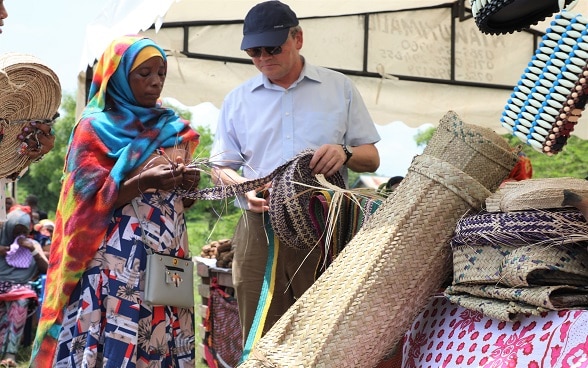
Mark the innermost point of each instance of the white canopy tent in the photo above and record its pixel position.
(412, 60)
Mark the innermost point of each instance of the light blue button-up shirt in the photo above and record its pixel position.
(262, 125)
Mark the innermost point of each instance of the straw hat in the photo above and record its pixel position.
(550, 97)
(29, 91)
(508, 16)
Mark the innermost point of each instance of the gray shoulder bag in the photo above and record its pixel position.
(169, 280)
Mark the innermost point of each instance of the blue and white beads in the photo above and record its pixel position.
(552, 92)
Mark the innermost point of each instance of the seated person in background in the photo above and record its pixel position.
(42, 232)
(21, 261)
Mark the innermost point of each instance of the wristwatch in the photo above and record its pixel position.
(348, 152)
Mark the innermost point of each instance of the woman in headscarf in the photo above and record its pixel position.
(126, 147)
(21, 261)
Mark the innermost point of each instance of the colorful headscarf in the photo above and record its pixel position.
(113, 136)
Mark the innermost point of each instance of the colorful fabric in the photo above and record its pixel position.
(113, 136)
(13, 316)
(523, 169)
(267, 291)
(8, 272)
(17, 256)
(106, 324)
(447, 335)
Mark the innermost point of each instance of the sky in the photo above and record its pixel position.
(54, 31)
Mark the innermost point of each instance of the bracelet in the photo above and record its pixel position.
(35, 252)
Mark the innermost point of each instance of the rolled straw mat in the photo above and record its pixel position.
(29, 91)
(358, 310)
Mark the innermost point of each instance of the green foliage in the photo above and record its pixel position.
(572, 161)
(424, 136)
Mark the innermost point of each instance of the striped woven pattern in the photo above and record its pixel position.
(520, 228)
(534, 260)
(550, 96)
(292, 187)
(508, 16)
(374, 296)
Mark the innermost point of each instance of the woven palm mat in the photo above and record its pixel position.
(520, 262)
(29, 91)
(498, 303)
(534, 194)
(514, 229)
(359, 308)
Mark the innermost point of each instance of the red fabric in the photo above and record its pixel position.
(523, 169)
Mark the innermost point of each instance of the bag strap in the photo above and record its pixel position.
(143, 235)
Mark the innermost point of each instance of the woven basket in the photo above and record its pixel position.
(374, 296)
(29, 91)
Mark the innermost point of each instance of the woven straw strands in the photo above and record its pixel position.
(360, 307)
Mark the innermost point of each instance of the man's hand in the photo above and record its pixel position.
(327, 159)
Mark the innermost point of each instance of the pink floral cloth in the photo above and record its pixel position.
(447, 335)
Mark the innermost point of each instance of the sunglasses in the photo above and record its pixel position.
(256, 51)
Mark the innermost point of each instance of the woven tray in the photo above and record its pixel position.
(534, 194)
(374, 296)
(29, 91)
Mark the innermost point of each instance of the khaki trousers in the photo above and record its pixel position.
(295, 272)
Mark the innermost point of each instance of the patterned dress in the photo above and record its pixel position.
(105, 322)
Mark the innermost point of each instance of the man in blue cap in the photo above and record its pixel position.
(291, 106)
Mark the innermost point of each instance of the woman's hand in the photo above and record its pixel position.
(161, 177)
(190, 174)
(37, 138)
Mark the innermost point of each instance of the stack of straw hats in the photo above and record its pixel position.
(29, 91)
(360, 307)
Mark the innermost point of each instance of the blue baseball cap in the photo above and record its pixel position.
(268, 24)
